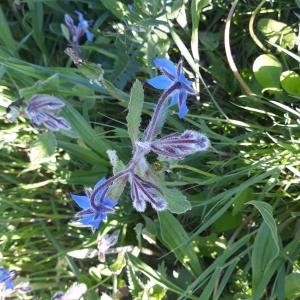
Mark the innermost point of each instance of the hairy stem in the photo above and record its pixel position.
(106, 185)
(138, 154)
(153, 122)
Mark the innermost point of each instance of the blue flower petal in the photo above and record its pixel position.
(184, 80)
(89, 35)
(101, 181)
(161, 82)
(166, 64)
(5, 277)
(89, 220)
(182, 104)
(175, 99)
(9, 285)
(80, 16)
(82, 201)
(3, 274)
(109, 203)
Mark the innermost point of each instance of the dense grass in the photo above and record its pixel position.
(240, 240)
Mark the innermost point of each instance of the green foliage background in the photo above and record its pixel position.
(240, 239)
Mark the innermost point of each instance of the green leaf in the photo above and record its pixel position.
(118, 187)
(240, 199)
(266, 210)
(177, 240)
(87, 134)
(154, 275)
(290, 82)
(126, 66)
(37, 19)
(83, 154)
(276, 31)
(177, 202)
(43, 148)
(119, 9)
(91, 71)
(292, 286)
(265, 250)
(227, 222)
(65, 31)
(6, 36)
(267, 70)
(135, 110)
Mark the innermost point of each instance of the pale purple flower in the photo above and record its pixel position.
(179, 145)
(143, 191)
(89, 215)
(105, 243)
(42, 109)
(81, 29)
(75, 292)
(173, 79)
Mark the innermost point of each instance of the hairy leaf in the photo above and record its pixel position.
(135, 110)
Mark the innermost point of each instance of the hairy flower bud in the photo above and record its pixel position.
(179, 145)
(105, 243)
(42, 109)
(144, 191)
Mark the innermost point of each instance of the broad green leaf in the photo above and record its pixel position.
(292, 286)
(265, 250)
(119, 263)
(227, 222)
(290, 82)
(91, 71)
(65, 31)
(276, 31)
(267, 70)
(174, 236)
(43, 148)
(135, 110)
(266, 211)
(240, 199)
(177, 202)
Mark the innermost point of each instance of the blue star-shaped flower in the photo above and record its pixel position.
(6, 279)
(89, 216)
(82, 28)
(173, 78)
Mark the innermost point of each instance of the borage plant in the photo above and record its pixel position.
(143, 184)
